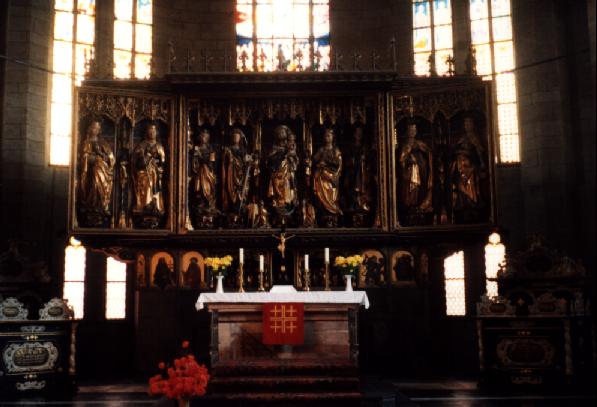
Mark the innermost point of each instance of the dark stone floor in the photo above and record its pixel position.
(387, 393)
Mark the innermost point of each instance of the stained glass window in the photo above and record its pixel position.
(132, 38)
(454, 283)
(495, 255)
(73, 46)
(491, 36)
(73, 289)
(284, 35)
(115, 289)
(432, 35)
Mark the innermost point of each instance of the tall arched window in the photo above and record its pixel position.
(491, 36)
(73, 45)
(432, 35)
(132, 38)
(282, 35)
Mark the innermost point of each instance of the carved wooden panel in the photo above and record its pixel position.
(122, 177)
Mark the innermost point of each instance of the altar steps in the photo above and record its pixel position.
(279, 382)
(279, 399)
(284, 384)
(295, 367)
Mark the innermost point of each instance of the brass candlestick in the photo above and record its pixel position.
(326, 276)
(306, 278)
(261, 288)
(240, 278)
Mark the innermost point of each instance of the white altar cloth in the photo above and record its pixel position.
(319, 297)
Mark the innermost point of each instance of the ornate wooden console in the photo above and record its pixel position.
(539, 331)
(36, 355)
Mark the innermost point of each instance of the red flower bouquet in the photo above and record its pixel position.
(182, 380)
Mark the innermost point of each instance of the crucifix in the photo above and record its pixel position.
(282, 238)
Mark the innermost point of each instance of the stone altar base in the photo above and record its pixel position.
(244, 371)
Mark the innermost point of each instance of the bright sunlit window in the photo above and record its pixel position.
(115, 289)
(73, 46)
(73, 289)
(282, 35)
(432, 35)
(454, 282)
(495, 255)
(491, 36)
(132, 38)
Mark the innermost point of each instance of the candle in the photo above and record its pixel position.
(306, 262)
(261, 262)
(327, 254)
(241, 256)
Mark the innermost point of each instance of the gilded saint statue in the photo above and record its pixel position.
(95, 178)
(358, 179)
(415, 163)
(237, 170)
(466, 169)
(148, 165)
(202, 187)
(281, 165)
(326, 176)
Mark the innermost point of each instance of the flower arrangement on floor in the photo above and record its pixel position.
(349, 265)
(219, 265)
(182, 380)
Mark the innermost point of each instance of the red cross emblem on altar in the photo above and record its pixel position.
(283, 324)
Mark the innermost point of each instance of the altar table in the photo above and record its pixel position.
(325, 365)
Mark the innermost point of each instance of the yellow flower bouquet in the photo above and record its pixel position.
(219, 265)
(349, 265)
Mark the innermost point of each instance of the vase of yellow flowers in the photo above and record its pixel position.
(349, 266)
(219, 268)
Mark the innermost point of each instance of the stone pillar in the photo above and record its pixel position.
(25, 133)
(104, 39)
(461, 29)
(539, 32)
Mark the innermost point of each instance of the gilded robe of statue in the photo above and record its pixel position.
(97, 172)
(149, 160)
(236, 164)
(466, 169)
(415, 161)
(281, 166)
(326, 177)
(203, 170)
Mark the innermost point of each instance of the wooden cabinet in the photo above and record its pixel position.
(37, 355)
(534, 350)
(539, 329)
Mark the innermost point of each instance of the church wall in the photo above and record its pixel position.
(406, 333)
(555, 106)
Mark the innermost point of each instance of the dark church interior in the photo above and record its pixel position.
(297, 203)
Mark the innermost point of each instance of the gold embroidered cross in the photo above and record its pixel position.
(283, 318)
